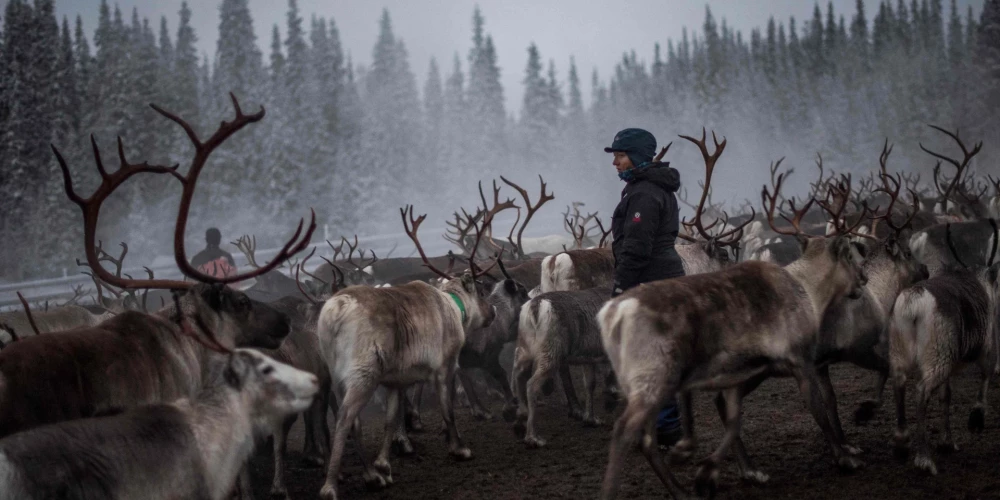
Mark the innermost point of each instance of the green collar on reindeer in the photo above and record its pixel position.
(458, 302)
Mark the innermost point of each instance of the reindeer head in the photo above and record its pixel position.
(479, 312)
(273, 390)
(234, 318)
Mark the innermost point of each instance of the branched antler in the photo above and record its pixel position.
(529, 207)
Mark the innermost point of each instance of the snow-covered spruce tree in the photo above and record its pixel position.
(484, 93)
(392, 124)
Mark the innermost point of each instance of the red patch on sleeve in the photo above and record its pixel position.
(636, 217)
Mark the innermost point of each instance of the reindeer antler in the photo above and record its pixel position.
(770, 202)
(531, 209)
(109, 182)
(960, 165)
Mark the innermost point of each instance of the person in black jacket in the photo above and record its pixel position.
(644, 227)
(214, 260)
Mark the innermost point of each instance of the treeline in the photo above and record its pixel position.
(356, 142)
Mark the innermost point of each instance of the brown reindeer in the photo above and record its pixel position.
(136, 358)
(726, 331)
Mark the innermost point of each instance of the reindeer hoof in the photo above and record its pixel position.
(756, 477)
(977, 420)
(279, 492)
(925, 463)
(461, 454)
(328, 492)
(402, 447)
(592, 422)
(682, 451)
(533, 442)
(509, 413)
(847, 463)
(375, 481)
(852, 450)
(482, 416)
(865, 413)
(706, 483)
(576, 414)
(313, 460)
(413, 423)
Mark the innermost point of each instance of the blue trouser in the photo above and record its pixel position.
(668, 418)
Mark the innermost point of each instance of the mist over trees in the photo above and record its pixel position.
(357, 142)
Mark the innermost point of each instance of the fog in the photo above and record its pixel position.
(357, 143)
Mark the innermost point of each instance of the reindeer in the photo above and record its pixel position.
(483, 346)
(855, 330)
(191, 448)
(54, 320)
(556, 330)
(396, 337)
(729, 331)
(136, 358)
(937, 326)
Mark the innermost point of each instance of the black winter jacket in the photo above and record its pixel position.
(644, 226)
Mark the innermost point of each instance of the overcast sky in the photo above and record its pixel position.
(595, 32)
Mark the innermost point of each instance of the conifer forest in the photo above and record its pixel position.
(343, 138)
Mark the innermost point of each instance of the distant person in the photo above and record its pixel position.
(213, 260)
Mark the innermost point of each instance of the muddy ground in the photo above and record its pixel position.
(780, 434)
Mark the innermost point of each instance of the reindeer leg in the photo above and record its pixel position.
(830, 402)
(922, 458)
(977, 417)
(522, 372)
(446, 394)
(809, 387)
(412, 416)
(747, 470)
(543, 372)
(637, 418)
(356, 395)
(280, 445)
(590, 386)
(871, 361)
(684, 449)
(901, 438)
(651, 449)
(494, 369)
(575, 409)
(392, 413)
(948, 445)
(707, 477)
(611, 391)
(479, 412)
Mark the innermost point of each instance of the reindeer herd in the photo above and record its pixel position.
(163, 388)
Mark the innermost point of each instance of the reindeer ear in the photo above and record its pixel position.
(803, 240)
(468, 283)
(510, 286)
(236, 371)
(863, 250)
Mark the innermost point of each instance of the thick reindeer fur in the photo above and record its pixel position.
(727, 331)
(557, 329)
(483, 346)
(186, 449)
(300, 349)
(395, 337)
(53, 320)
(938, 326)
(129, 360)
(696, 260)
(971, 241)
(578, 270)
(857, 330)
